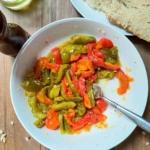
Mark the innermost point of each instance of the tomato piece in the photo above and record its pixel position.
(101, 104)
(52, 121)
(106, 43)
(124, 82)
(56, 55)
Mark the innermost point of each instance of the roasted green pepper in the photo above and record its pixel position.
(64, 105)
(71, 85)
(59, 99)
(111, 55)
(61, 73)
(35, 109)
(54, 92)
(80, 110)
(82, 39)
(39, 123)
(61, 122)
(105, 74)
(45, 77)
(31, 84)
(91, 96)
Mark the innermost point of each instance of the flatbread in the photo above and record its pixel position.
(132, 15)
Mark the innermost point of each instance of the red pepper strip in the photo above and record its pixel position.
(87, 102)
(91, 117)
(84, 64)
(77, 124)
(95, 59)
(65, 87)
(74, 57)
(98, 46)
(87, 74)
(53, 67)
(106, 43)
(93, 77)
(98, 54)
(56, 55)
(124, 82)
(75, 82)
(81, 86)
(52, 121)
(101, 104)
(74, 68)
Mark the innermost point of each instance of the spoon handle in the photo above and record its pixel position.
(141, 122)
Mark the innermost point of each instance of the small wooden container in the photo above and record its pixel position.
(12, 37)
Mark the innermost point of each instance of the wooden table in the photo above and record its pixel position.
(42, 13)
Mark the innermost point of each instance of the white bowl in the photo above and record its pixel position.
(119, 127)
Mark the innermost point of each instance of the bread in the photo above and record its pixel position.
(132, 15)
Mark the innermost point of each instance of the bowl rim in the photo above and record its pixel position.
(36, 34)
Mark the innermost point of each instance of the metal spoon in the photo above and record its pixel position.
(141, 122)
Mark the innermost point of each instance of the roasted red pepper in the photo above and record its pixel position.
(97, 61)
(87, 101)
(43, 63)
(110, 66)
(56, 55)
(52, 121)
(81, 86)
(106, 43)
(74, 68)
(124, 82)
(65, 87)
(53, 67)
(91, 117)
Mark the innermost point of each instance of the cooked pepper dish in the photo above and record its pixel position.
(59, 87)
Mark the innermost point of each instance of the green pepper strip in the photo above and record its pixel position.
(63, 105)
(39, 123)
(61, 123)
(82, 39)
(71, 85)
(67, 98)
(54, 92)
(61, 73)
(91, 96)
(80, 109)
(59, 99)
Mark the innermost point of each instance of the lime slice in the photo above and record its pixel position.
(17, 4)
(11, 2)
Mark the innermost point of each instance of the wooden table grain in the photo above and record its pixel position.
(42, 13)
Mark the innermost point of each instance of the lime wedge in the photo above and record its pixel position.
(16, 4)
